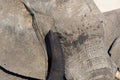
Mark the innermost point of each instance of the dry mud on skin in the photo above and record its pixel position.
(20, 50)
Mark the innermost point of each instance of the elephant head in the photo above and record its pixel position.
(80, 27)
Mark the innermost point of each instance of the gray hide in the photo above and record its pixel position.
(80, 25)
(20, 50)
(112, 34)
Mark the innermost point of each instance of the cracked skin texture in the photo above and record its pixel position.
(20, 50)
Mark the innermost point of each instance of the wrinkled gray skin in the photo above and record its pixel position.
(112, 26)
(80, 25)
(112, 34)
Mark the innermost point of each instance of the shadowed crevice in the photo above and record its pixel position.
(56, 68)
(17, 75)
(111, 47)
(49, 53)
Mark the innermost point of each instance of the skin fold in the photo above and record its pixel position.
(56, 58)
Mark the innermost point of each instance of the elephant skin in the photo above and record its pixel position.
(81, 27)
(112, 38)
(20, 50)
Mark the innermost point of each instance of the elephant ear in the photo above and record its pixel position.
(21, 54)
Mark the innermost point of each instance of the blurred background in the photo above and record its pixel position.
(107, 5)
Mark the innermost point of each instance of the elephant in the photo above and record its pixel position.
(80, 26)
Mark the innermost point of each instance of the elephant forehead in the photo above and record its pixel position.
(76, 17)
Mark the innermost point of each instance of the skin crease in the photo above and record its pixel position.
(55, 54)
(82, 32)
